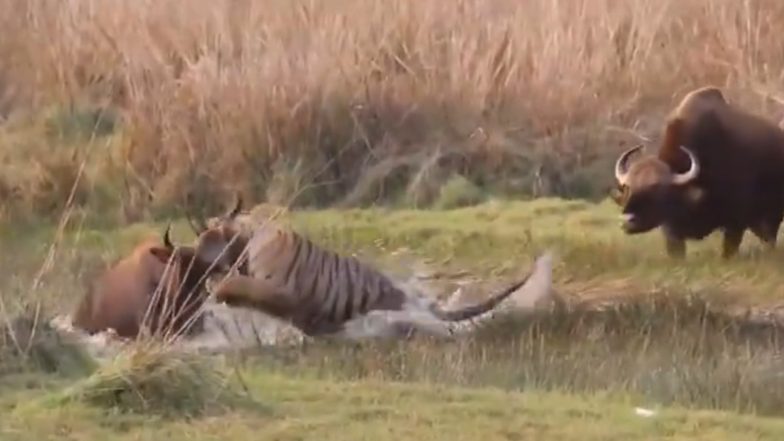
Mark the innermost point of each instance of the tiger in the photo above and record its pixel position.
(322, 293)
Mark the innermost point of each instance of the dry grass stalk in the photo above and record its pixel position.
(229, 87)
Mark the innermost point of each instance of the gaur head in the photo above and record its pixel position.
(158, 282)
(219, 240)
(648, 190)
(191, 268)
(183, 285)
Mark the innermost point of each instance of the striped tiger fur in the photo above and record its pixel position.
(286, 275)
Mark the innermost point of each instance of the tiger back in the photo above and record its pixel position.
(330, 288)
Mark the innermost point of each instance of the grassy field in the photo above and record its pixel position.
(497, 239)
(573, 374)
(329, 410)
(455, 138)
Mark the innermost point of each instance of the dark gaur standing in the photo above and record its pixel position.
(655, 185)
(718, 167)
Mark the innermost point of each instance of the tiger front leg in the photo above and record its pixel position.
(257, 294)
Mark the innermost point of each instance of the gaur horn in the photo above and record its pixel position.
(167, 238)
(621, 173)
(237, 206)
(198, 226)
(691, 174)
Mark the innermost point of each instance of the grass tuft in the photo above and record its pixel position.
(146, 378)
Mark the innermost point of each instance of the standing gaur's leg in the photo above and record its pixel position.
(765, 232)
(768, 211)
(775, 224)
(733, 236)
(675, 245)
(767, 229)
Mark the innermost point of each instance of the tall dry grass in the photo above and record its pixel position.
(270, 96)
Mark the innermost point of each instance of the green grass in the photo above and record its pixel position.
(574, 374)
(595, 258)
(344, 410)
(497, 239)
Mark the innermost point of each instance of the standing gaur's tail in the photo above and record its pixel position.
(487, 305)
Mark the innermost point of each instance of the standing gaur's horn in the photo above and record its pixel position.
(621, 168)
(691, 174)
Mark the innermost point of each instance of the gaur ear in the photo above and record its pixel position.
(161, 253)
(694, 194)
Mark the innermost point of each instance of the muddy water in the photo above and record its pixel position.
(225, 329)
